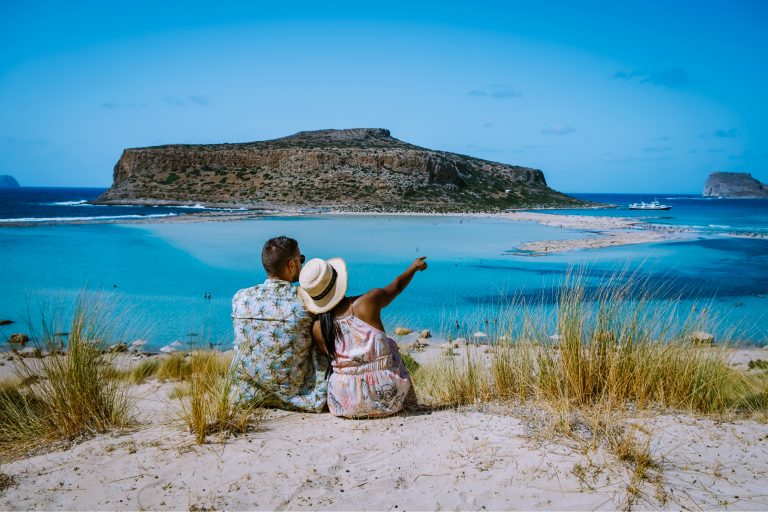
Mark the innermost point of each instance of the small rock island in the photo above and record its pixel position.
(7, 181)
(734, 184)
(360, 169)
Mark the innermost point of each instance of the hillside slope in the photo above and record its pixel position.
(362, 169)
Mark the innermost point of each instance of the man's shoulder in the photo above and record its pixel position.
(251, 290)
(276, 295)
(270, 285)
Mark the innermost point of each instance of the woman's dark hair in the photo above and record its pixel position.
(329, 327)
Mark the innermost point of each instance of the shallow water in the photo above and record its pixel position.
(156, 275)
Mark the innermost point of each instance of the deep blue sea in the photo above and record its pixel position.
(40, 204)
(156, 276)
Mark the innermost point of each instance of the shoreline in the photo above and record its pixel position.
(600, 231)
(605, 231)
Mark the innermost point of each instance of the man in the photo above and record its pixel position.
(275, 360)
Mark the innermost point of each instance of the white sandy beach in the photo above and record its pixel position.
(480, 458)
(599, 231)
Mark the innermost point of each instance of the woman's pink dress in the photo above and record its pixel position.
(369, 377)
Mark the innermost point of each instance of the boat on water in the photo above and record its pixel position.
(653, 205)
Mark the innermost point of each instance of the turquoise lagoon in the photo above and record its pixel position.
(156, 276)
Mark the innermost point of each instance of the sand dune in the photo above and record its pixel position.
(482, 457)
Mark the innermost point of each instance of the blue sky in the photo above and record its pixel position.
(602, 96)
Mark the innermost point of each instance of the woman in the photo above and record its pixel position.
(369, 377)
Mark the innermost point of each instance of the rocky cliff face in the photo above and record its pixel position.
(7, 181)
(354, 170)
(734, 184)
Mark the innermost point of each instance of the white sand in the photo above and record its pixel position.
(490, 457)
(603, 232)
(443, 460)
(596, 241)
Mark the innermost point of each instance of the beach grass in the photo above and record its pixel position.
(137, 374)
(144, 370)
(176, 366)
(204, 391)
(207, 401)
(616, 347)
(69, 394)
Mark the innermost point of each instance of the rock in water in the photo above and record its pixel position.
(352, 170)
(7, 181)
(734, 184)
(402, 331)
(6, 322)
(425, 334)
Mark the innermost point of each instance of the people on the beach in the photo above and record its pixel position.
(275, 360)
(369, 378)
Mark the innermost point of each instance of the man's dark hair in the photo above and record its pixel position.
(277, 252)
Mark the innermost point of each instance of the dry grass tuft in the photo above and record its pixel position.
(144, 370)
(174, 367)
(70, 395)
(207, 403)
(453, 381)
(6, 481)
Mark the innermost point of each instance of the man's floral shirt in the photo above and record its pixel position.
(275, 359)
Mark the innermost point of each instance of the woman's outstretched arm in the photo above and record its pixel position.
(384, 296)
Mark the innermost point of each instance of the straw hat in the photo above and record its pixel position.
(322, 284)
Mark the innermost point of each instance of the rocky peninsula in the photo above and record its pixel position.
(7, 181)
(734, 184)
(351, 170)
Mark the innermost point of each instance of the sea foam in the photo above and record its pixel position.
(76, 219)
